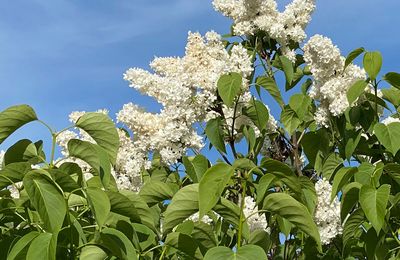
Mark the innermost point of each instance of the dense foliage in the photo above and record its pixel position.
(321, 182)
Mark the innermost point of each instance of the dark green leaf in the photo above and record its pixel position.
(352, 56)
(118, 244)
(212, 185)
(154, 192)
(43, 247)
(91, 252)
(393, 79)
(100, 127)
(270, 85)
(13, 118)
(184, 203)
(246, 252)
(355, 91)
(258, 113)
(19, 250)
(296, 213)
(290, 120)
(99, 204)
(46, 198)
(215, 134)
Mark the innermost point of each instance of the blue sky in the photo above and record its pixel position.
(65, 55)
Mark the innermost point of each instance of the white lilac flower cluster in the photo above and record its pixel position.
(186, 87)
(327, 213)
(254, 219)
(331, 79)
(195, 218)
(249, 16)
(123, 177)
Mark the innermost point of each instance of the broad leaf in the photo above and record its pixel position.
(118, 244)
(46, 198)
(184, 203)
(185, 244)
(270, 85)
(43, 247)
(13, 173)
(258, 113)
(229, 86)
(195, 166)
(123, 205)
(92, 252)
(300, 104)
(372, 63)
(212, 185)
(246, 252)
(392, 95)
(355, 91)
(296, 213)
(373, 202)
(100, 127)
(393, 79)
(290, 120)
(154, 192)
(342, 177)
(94, 155)
(352, 56)
(19, 249)
(215, 134)
(287, 67)
(99, 204)
(389, 136)
(13, 118)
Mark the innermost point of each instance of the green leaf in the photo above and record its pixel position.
(300, 104)
(46, 198)
(393, 79)
(43, 247)
(331, 164)
(13, 173)
(349, 199)
(230, 212)
(287, 67)
(290, 120)
(355, 91)
(118, 244)
(94, 155)
(154, 191)
(100, 127)
(246, 252)
(122, 205)
(258, 113)
(283, 172)
(372, 63)
(352, 225)
(352, 140)
(315, 144)
(19, 249)
(261, 238)
(270, 85)
(373, 202)
(92, 252)
(229, 86)
(296, 213)
(185, 244)
(392, 95)
(146, 214)
(212, 185)
(22, 151)
(263, 186)
(352, 56)
(195, 166)
(184, 203)
(342, 176)
(215, 134)
(13, 118)
(389, 136)
(99, 204)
